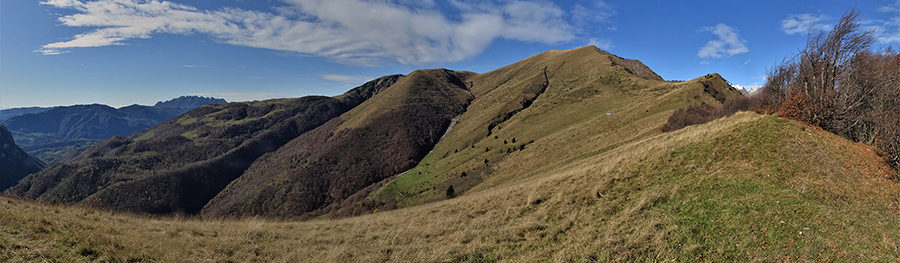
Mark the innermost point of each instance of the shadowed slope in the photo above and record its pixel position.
(389, 134)
(15, 163)
(177, 166)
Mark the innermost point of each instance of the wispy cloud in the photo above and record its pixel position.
(51, 51)
(356, 32)
(886, 31)
(605, 44)
(347, 80)
(895, 8)
(803, 23)
(728, 44)
(596, 12)
(241, 96)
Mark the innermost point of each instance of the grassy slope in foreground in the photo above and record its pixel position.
(744, 188)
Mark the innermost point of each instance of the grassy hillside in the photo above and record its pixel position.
(743, 188)
(544, 112)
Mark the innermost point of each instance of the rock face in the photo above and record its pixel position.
(15, 163)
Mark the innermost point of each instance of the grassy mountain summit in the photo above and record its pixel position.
(568, 104)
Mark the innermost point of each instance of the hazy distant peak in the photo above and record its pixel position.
(189, 102)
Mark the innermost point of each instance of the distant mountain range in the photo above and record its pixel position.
(188, 102)
(9, 113)
(50, 133)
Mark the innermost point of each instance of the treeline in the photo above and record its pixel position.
(840, 82)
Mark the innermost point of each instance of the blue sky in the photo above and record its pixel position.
(122, 52)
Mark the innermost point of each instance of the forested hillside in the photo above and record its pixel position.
(177, 166)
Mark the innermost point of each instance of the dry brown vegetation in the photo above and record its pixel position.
(842, 84)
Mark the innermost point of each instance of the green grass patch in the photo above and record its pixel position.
(147, 135)
(740, 203)
(192, 134)
(186, 120)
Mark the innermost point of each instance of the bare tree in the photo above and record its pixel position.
(824, 59)
(838, 82)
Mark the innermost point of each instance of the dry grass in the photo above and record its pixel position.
(567, 123)
(735, 189)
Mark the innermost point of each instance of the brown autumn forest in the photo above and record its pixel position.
(837, 82)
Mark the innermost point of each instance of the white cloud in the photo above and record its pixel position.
(604, 44)
(887, 31)
(348, 80)
(241, 96)
(598, 12)
(895, 8)
(52, 51)
(363, 32)
(803, 23)
(728, 44)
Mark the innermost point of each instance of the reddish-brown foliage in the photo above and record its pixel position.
(704, 113)
(840, 84)
(689, 116)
